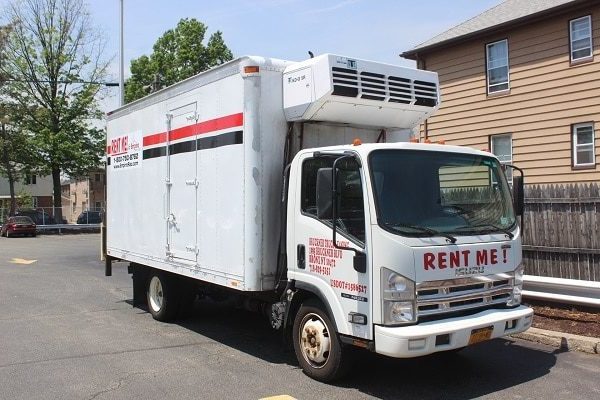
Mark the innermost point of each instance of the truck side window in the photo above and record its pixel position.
(350, 206)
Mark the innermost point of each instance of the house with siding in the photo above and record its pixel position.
(39, 188)
(522, 80)
(84, 193)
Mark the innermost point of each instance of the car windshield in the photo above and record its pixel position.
(22, 220)
(426, 193)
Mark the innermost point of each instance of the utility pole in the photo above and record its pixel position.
(121, 63)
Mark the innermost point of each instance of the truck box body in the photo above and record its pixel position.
(204, 199)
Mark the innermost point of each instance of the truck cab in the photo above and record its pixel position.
(409, 248)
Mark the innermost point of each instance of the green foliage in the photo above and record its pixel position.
(51, 56)
(178, 54)
(24, 199)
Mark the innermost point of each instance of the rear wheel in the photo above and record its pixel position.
(318, 348)
(162, 296)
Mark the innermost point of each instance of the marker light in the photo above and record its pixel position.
(251, 69)
(414, 140)
(441, 141)
(428, 141)
(357, 142)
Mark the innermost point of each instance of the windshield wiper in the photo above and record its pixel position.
(425, 229)
(496, 227)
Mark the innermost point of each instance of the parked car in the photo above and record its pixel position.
(20, 225)
(37, 216)
(89, 217)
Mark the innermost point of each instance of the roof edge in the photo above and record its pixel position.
(560, 9)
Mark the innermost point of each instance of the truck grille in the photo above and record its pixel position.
(379, 87)
(440, 297)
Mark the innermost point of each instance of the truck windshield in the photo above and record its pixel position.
(427, 193)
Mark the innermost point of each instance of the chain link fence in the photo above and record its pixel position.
(50, 216)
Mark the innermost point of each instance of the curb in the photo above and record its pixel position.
(561, 340)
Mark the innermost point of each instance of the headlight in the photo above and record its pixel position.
(515, 299)
(397, 298)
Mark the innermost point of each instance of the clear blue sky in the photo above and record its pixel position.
(371, 29)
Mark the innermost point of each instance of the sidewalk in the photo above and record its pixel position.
(561, 340)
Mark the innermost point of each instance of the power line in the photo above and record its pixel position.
(108, 84)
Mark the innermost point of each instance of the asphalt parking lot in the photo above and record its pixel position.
(68, 332)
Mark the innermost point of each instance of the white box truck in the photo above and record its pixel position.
(293, 188)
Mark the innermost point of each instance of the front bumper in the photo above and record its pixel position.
(422, 339)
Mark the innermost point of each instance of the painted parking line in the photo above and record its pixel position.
(22, 261)
(279, 397)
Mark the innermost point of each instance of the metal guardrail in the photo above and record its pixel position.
(66, 227)
(568, 291)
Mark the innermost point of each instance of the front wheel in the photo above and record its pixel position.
(317, 345)
(162, 296)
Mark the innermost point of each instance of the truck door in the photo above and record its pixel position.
(182, 182)
(321, 264)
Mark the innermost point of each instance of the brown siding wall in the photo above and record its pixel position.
(547, 95)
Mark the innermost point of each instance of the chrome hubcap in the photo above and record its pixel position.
(156, 294)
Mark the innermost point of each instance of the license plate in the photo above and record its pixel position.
(481, 334)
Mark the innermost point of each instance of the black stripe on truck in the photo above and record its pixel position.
(205, 143)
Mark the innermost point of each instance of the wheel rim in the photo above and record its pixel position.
(156, 294)
(315, 343)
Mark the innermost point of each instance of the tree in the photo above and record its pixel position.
(7, 148)
(53, 64)
(177, 55)
(15, 153)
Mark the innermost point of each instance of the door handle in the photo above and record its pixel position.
(301, 253)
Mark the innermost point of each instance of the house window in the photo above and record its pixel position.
(583, 145)
(30, 179)
(497, 66)
(502, 148)
(580, 33)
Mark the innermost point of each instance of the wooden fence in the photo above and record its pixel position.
(562, 231)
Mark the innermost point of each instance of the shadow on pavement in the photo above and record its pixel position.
(243, 330)
(476, 371)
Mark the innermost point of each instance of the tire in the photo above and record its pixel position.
(162, 296)
(318, 348)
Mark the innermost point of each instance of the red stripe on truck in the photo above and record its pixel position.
(212, 125)
(217, 124)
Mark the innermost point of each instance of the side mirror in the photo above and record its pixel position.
(324, 193)
(518, 195)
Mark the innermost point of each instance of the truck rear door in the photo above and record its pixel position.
(182, 181)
